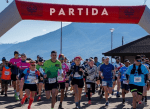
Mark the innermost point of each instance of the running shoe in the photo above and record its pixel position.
(89, 102)
(39, 98)
(112, 92)
(17, 97)
(65, 94)
(5, 95)
(123, 101)
(2, 92)
(117, 95)
(107, 103)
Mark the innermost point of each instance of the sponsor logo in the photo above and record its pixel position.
(129, 12)
(32, 8)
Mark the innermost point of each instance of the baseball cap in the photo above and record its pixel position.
(117, 57)
(41, 59)
(90, 59)
(106, 57)
(3, 59)
(126, 60)
(23, 54)
(38, 55)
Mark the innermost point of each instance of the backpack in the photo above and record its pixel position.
(134, 69)
(28, 72)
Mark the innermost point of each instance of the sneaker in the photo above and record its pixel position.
(5, 95)
(123, 101)
(140, 102)
(29, 107)
(118, 95)
(2, 92)
(76, 107)
(39, 98)
(112, 92)
(99, 92)
(107, 103)
(146, 99)
(21, 103)
(60, 106)
(17, 98)
(89, 102)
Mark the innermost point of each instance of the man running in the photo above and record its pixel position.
(91, 78)
(22, 65)
(39, 67)
(105, 72)
(117, 66)
(136, 76)
(51, 67)
(122, 76)
(13, 65)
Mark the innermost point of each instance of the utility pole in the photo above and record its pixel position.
(61, 40)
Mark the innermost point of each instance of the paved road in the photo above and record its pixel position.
(97, 103)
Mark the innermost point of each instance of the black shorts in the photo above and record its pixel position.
(67, 82)
(5, 81)
(49, 87)
(115, 78)
(125, 86)
(61, 85)
(13, 77)
(78, 82)
(100, 80)
(91, 86)
(31, 87)
(135, 88)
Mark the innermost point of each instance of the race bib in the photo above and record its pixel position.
(32, 80)
(88, 85)
(60, 78)
(104, 83)
(51, 80)
(77, 74)
(7, 73)
(125, 82)
(90, 78)
(137, 79)
(116, 75)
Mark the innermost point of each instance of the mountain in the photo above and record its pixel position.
(84, 39)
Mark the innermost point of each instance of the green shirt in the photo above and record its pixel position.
(38, 66)
(51, 68)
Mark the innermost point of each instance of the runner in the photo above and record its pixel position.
(99, 81)
(39, 67)
(51, 67)
(91, 74)
(1, 68)
(117, 66)
(22, 65)
(96, 61)
(105, 72)
(136, 76)
(67, 75)
(31, 76)
(38, 57)
(77, 81)
(85, 64)
(13, 65)
(62, 78)
(122, 76)
(6, 77)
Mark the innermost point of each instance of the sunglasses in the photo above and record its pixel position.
(138, 60)
(32, 65)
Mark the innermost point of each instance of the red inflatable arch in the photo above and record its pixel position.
(22, 10)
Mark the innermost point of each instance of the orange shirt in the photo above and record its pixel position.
(6, 74)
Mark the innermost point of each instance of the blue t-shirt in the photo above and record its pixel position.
(137, 79)
(123, 72)
(97, 64)
(107, 71)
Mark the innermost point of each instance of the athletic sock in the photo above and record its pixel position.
(17, 93)
(30, 102)
(23, 99)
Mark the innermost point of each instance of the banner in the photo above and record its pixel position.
(23, 10)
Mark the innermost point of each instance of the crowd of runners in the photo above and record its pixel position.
(30, 78)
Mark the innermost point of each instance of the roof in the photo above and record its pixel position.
(139, 46)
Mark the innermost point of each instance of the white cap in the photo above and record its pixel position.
(106, 57)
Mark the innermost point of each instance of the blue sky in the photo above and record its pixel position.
(26, 30)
